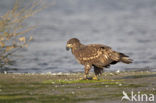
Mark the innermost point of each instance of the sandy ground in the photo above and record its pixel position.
(67, 88)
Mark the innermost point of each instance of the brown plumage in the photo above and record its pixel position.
(96, 55)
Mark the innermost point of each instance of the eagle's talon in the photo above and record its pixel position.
(95, 78)
(88, 78)
(81, 78)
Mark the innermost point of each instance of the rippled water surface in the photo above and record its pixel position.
(128, 26)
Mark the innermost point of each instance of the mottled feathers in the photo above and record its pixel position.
(96, 55)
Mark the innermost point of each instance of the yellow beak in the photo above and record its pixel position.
(68, 46)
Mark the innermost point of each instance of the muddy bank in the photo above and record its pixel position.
(67, 88)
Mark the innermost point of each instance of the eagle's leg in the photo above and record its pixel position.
(87, 69)
(98, 71)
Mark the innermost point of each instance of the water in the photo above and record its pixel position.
(127, 26)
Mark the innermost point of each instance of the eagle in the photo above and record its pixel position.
(95, 55)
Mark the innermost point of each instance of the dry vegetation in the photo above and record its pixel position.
(13, 29)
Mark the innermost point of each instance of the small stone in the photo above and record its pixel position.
(53, 82)
(118, 71)
(120, 84)
(111, 73)
(60, 73)
(106, 86)
(54, 73)
(5, 72)
(73, 92)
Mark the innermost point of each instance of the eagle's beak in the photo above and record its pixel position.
(68, 46)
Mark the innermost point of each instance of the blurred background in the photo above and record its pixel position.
(128, 26)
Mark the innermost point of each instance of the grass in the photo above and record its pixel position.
(78, 81)
(37, 88)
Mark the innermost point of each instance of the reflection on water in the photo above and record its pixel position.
(127, 26)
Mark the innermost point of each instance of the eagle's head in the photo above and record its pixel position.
(72, 43)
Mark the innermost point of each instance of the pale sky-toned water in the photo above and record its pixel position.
(128, 26)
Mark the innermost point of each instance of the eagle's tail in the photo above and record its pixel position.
(125, 59)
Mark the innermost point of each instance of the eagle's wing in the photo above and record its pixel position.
(107, 52)
(99, 46)
(94, 51)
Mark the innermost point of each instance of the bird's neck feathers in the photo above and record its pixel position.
(77, 47)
